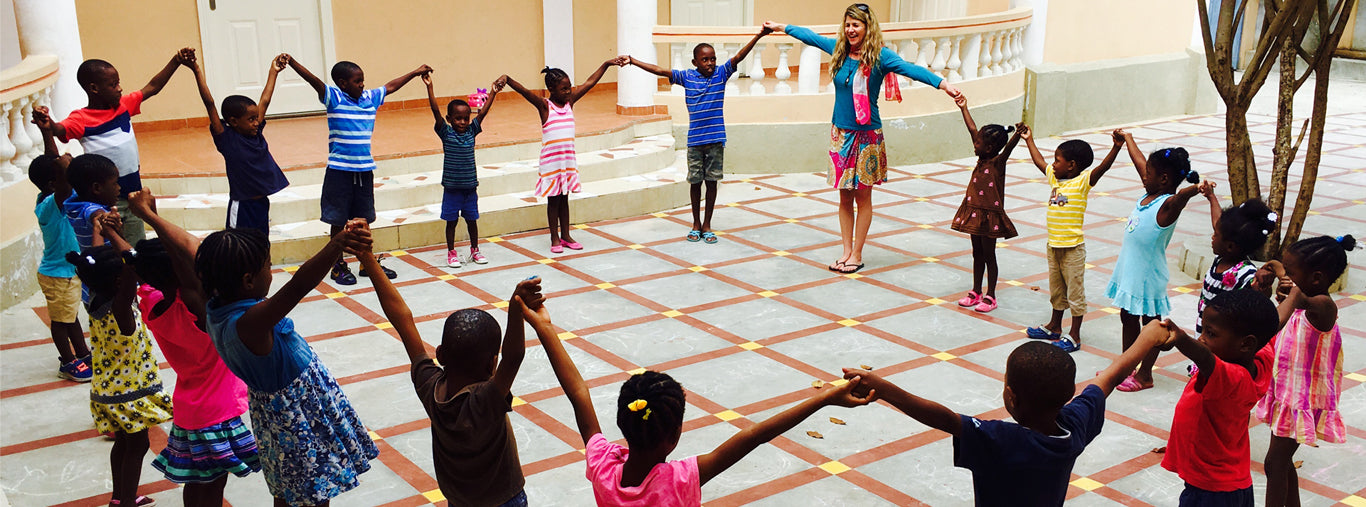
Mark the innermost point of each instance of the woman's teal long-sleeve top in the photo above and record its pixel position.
(889, 62)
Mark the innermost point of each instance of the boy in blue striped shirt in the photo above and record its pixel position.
(704, 92)
(349, 183)
(459, 176)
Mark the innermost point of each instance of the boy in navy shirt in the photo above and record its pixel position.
(252, 172)
(1027, 462)
(704, 91)
(459, 176)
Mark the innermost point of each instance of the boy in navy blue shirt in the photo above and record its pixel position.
(252, 172)
(459, 176)
(1029, 461)
(704, 92)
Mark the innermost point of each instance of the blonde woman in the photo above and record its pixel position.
(858, 158)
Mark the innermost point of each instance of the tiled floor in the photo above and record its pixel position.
(746, 325)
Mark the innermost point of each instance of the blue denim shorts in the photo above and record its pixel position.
(456, 203)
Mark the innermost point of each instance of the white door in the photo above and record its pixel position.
(241, 36)
(711, 12)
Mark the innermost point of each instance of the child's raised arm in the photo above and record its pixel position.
(126, 293)
(649, 67)
(527, 294)
(1215, 212)
(215, 121)
(962, 102)
(308, 77)
(1034, 154)
(276, 65)
(565, 372)
(1321, 311)
(1153, 336)
(496, 87)
(1172, 208)
(588, 84)
(42, 118)
(536, 101)
(927, 412)
(1010, 145)
(158, 81)
(744, 51)
(1118, 137)
(180, 245)
(254, 327)
(398, 82)
(711, 464)
(431, 101)
(1135, 154)
(1191, 348)
(395, 309)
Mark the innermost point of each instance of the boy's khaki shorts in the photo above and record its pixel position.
(1066, 273)
(705, 162)
(63, 297)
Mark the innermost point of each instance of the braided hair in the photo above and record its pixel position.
(99, 268)
(153, 265)
(1324, 253)
(226, 256)
(553, 75)
(1176, 163)
(1247, 225)
(994, 137)
(650, 409)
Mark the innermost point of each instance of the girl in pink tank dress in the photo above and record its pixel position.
(1301, 405)
(208, 439)
(559, 174)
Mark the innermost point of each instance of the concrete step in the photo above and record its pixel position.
(415, 189)
(413, 226)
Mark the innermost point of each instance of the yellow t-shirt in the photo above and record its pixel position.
(1065, 221)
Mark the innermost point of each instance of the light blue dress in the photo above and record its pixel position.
(1139, 283)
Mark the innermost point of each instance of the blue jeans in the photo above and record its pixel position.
(520, 500)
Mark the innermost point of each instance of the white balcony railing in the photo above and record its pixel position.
(22, 87)
(958, 49)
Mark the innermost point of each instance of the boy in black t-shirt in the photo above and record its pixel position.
(252, 172)
(1027, 462)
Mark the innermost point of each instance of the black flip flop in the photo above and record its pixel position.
(843, 272)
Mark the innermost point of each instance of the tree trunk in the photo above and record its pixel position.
(1313, 153)
(1283, 150)
(1241, 163)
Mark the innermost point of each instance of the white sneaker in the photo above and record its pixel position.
(452, 259)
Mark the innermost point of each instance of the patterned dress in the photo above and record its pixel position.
(559, 165)
(126, 394)
(983, 210)
(1306, 382)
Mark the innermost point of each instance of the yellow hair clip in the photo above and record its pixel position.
(637, 405)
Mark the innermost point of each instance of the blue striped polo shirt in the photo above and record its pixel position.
(350, 123)
(704, 96)
(458, 170)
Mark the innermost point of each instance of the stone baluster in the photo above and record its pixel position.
(997, 58)
(941, 56)
(8, 172)
(984, 63)
(1017, 60)
(783, 73)
(756, 70)
(954, 74)
(732, 85)
(23, 144)
(676, 51)
(35, 133)
(924, 52)
(809, 71)
(972, 54)
(906, 49)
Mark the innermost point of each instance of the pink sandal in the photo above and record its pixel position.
(557, 248)
(1130, 385)
(572, 245)
(988, 304)
(970, 300)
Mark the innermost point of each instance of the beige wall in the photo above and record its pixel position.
(812, 12)
(595, 37)
(976, 7)
(1094, 30)
(110, 31)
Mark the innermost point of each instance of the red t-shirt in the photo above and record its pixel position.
(1208, 446)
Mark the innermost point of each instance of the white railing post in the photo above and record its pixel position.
(972, 53)
(984, 67)
(809, 71)
(676, 50)
(941, 56)
(34, 133)
(1017, 37)
(783, 72)
(998, 40)
(756, 71)
(23, 144)
(732, 85)
(904, 49)
(954, 74)
(8, 172)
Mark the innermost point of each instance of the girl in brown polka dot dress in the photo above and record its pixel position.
(982, 214)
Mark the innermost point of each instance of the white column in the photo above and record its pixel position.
(809, 71)
(1034, 34)
(557, 18)
(49, 27)
(635, 23)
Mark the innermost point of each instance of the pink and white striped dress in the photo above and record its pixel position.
(1302, 402)
(559, 166)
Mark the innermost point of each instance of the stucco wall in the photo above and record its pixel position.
(1094, 30)
(109, 31)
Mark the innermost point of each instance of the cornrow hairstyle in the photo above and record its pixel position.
(699, 47)
(1246, 312)
(650, 409)
(552, 76)
(343, 70)
(1247, 225)
(1078, 152)
(153, 265)
(87, 170)
(99, 268)
(1041, 375)
(995, 137)
(1176, 163)
(469, 340)
(1325, 253)
(41, 171)
(90, 70)
(234, 106)
(450, 106)
(226, 256)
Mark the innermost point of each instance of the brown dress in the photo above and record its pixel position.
(982, 212)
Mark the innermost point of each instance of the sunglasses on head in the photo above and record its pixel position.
(862, 7)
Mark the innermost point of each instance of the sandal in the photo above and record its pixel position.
(836, 266)
(1067, 345)
(694, 235)
(1130, 385)
(557, 249)
(1041, 333)
(844, 268)
(970, 300)
(988, 304)
(572, 245)
(710, 238)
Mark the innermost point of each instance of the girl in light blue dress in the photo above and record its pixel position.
(1139, 283)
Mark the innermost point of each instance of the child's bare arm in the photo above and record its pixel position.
(180, 245)
(42, 117)
(254, 327)
(1194, 350)
(1214, 210)
(1034, 154)
(125, 295)
(744, 51)
(1135, 154)
(527, 294)
(431, 101)
(711, 464)
(215, 122)
(1118, 137)
(565, 372)
(398, 82)
(395, 309)
(649, 67)
(962, 102)
(536, 101)
(159, 80)
(1321, 311)
(588, 84)
(308, 77)
(1010, 145)
(929, 413)
(494, 89)
(278, 64)
(1172, 208)
(1154, 335)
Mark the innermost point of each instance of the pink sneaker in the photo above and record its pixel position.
(452, 259)
(477, 257)
(988, 304)
(970, 300)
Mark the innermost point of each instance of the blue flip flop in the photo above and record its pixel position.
(1067, 345)
(710, 237)
(1039, 333)
(694, 236)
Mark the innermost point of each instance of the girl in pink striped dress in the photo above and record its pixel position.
(559, 175)
(1301, 405)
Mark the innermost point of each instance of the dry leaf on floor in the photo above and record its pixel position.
(813, 434)
(837, 421)
(1034, 288)
(866, 367)
(817, 383)
(756, 187)
(1160, 450)
(1299, 464)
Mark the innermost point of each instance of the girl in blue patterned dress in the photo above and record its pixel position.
(1139, 283)
(312, 445)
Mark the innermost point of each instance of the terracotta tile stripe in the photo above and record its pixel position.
(876, 487)
(48, 442)
(405, 468)
(893, 448)
(550, 425)
(412, 501)
(36, 388)
(147, 488)
(568, 458)
(770, 488)
(29, 343)
(371, 375)
(399, 429)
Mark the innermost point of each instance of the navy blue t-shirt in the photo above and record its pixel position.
(1014, 465)
(252, 171)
